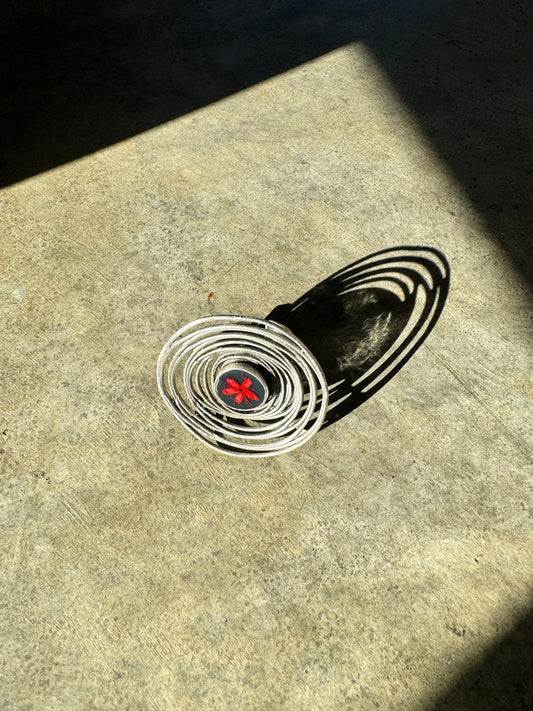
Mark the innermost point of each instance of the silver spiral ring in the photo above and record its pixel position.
(193, 358)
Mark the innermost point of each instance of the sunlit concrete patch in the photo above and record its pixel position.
(143, 570)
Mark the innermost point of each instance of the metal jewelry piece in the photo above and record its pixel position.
(244, 386)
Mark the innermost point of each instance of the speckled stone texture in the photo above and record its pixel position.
(384, 565)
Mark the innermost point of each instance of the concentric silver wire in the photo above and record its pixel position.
(191, 361)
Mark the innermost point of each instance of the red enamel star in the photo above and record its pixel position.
(241, 391)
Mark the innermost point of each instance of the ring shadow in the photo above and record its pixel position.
(365, 321)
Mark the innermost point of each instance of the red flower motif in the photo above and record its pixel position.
(241, 391)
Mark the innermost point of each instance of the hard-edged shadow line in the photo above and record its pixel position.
(501, 681)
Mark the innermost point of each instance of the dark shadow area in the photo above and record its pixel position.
(80, 75)
(365, 321)
(83, 74)
(503, 681)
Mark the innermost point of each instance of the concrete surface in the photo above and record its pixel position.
(382, 565)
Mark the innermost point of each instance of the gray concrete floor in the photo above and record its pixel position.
(384, 565)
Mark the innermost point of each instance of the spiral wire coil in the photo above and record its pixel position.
(192, 360)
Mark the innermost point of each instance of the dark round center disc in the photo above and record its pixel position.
(242, 387)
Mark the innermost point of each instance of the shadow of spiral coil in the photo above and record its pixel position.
(365, 321)
(197, 356)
